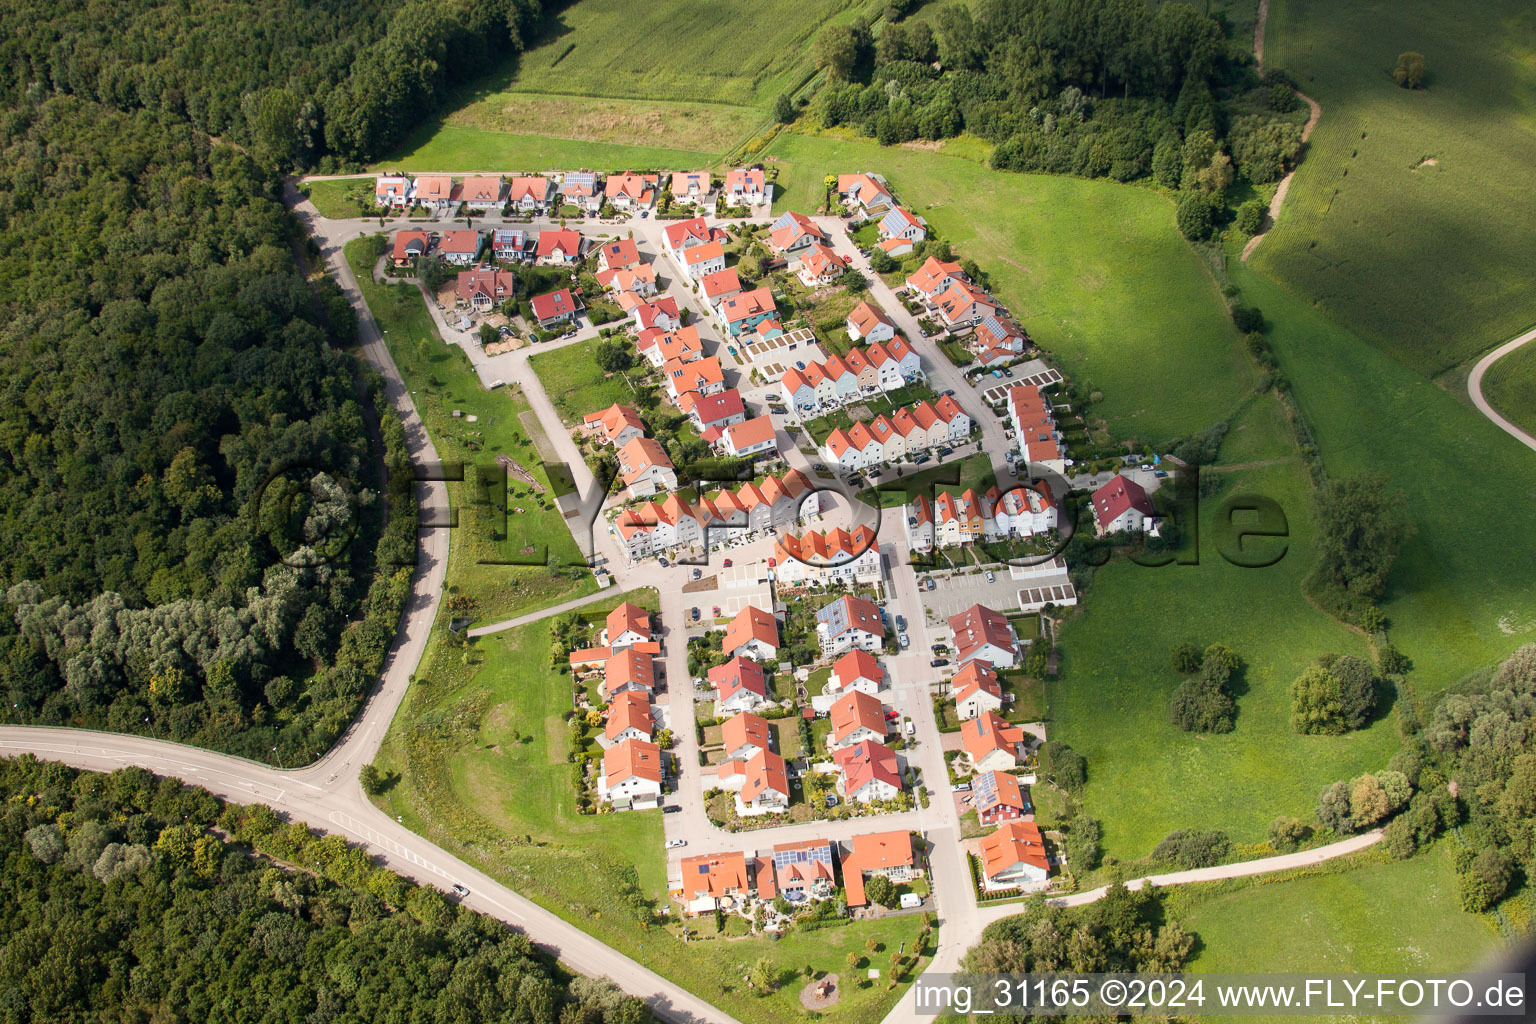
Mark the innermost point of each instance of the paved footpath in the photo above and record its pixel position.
(1475, 388)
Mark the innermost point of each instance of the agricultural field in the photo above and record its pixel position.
(1510, 387)
(1146, 777)
(1331, 920)
(1410, 219)
(1459, 597)
(441, 380)
(730, 51)
(1096, 272)
(460, 148)
(577, 385)
(478, 755)
(701, 128)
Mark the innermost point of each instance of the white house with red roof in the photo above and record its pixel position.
(743, 312)
(660, 346)
(1123, 506)
(996, 341)
(392, 192)
(887, 854)
(869, 772)
(703, 376)
(865, 193)
(1013, 856)
(992, 743)
(820, 266)
(1034, 425)
(699, 261)
(510, 245)
(685, 234)
(631, 779)
(976, 690)
(739, 685)
(618, 254)
(559, 247)
(868, 323)
(459, 247)
(748, 439)
(660, 313)
(856, 716)
(898, 223)
(433, 191)
(690, 188)
(616, 425)
(713, 412)
(529, 194)
(753, 633)
(719, 286)
(628, 670)
(626, 626)
(981, 634)
(554, 308)
(933, 277)
(761, 783)
(856, 670)
(409, 246)
(847, 623)
(629, 718)
(645, 468)
(746, 186)
(794, 232)
(963, 304)
(631, 191)
(485, 287)
(827, 558)
(481, 192)
(744, 735)
(581, 190)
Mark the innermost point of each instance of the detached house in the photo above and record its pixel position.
(708, 879)
(847, 623)
(996, 341)
(713, 412)
(933, 277)
(887, 854)
(761, 783)
(856, 671)
(753, 633)
(616, 425)
(719, 286)
(529, 195)
(739, 685)
(459, 248)
(690, 187)
(626, 626)
(481, 192)
(485, 288)
(660, 346)
(998, 797)
(856, 717)
(741, 313)
(699, 261)
(899, 224)
(510, 245)
(746, 186)
(807, 867)
(579, 188)
(870, 771)
(745, 735)
(702, 376)
(619, 254)
(868, 324)
(963, 304)
(793, 232)
(820, 266)
(631, 775)
(630, 191)
(627, 671)
(993, 744)
(748, 439)
(1014, 855)
(554, 308)
(629, 718)
(645, 468)
(981, 634)
(394, 193)
(435, 192)
(977, 691)
(409, 246)
(660, 313)
(685, 234)
(560, 248)
(865, 193)
(1122, 506)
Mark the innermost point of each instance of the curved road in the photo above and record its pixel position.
(1475, 388)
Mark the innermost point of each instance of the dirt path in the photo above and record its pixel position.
(1475, 388)
(1306, 132)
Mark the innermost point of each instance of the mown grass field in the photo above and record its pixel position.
(479, 745)
(576, 384)
(1510, 387)
(1097, 273)
(1433, 262)
(696, 127)
(1146, 777)
(441, 380)
(727, 51)
(1460, 596)
(459, 148)
(340, 198)
(1378, 917)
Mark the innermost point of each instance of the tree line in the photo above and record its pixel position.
(137, 898)
(1096, 88)
(298, 85)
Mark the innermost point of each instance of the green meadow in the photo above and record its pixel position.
(1410, 219)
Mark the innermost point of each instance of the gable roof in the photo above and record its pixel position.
(743, 728)
(629, 710)
(738, 674)
(620, 252)
(804, 863)
(628, 618)
(407, 240)
(862, 187)
(978, 626)
(703, 253)
(481, 188)
(748, 304)
(849, 612)
(640, 187)
(744, 179)
(1119, 495)
(459, 241)
(689, 182)
(532, 187)
(819, 259)
(766, 773)
(993, 790)
(715, 874)
(629, 666)
(719, 283)
(857, 664)
(868, 762)
(988, 732)
(975, 676)
(632, 758)
(693, 375)
(866, 318)
(433, 187)
(933, 274)
(873, 852)
(751, 623)
(639, 455)
(567, 240)
(493, 283)
(680, 232)
(716, 408)
(855, 710)
(614, 420)
(1016, 842)
(790, 228)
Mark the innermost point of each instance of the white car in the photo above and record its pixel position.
(904, 640)
(991, 577)
(676, 844)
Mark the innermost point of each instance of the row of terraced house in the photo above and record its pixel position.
(536, 194)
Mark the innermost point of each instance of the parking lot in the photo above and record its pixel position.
(1013, 588)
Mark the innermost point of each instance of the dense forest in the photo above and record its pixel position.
(210, 526)
(1117, 89)
(133, 898)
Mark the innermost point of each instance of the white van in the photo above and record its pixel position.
(910, 901)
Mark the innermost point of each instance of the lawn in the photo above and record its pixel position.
(974, 471)
(1431, 261)
(700, 128)
(340, 198)
(577, 385)
(1510, 387)
(1335, 921)
(460, 148)
(479, 746)
(487, 545)
(1145, 776)
(1460, 596)
(1096, 272)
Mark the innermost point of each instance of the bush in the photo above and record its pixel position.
(1192, 848)
(1250, 217)
(1286, 834)
(1247, 319)
(1486, 880)
(1080, 841)
(1185, 657)
(1197, 216)
(1063, 766)
(880, 890)
(1411, 70)
(1333, 697)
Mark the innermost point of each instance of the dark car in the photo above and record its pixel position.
(670, 809)
(901, 623)
(920, 460)
(945, 453)
(938, 663)
(695, 613)
(697, 573)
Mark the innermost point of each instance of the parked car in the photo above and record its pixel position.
(715, 611)
(938, 663)
(962, 787)
(930, 583)
(945, 453)
(921, 459)
(901, 622)
(991, 577)
(697, 573)
(726, 563)
(670, 809)
(771, 398)
(662, 561)
(904, 640)
(939, 649)
(1008, 372)
(695, 613)
(676, 844)
(947, 392)
(911, 727)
